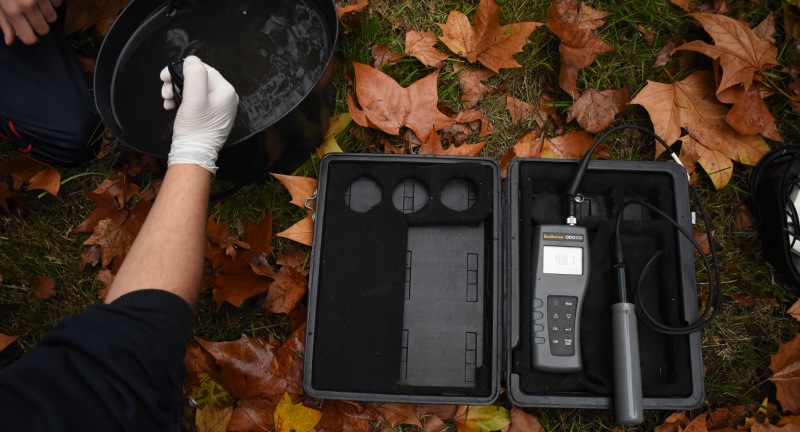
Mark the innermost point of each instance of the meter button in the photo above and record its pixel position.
(537, 303)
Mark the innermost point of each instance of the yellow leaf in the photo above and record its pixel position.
(294, 417)
(212, 419)
(337, 125)
(214, 405)
(481, 418)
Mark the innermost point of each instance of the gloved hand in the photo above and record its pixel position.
(205, 117)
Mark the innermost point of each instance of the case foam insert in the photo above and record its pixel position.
(666, 370)
(403, 306)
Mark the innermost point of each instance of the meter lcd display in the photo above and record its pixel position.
(562, 260)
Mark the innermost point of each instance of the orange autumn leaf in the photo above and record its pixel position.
(399, 414)
(470, 82)
(481, 418)
(574, 23)
(113, 229)
(387, 106)
(486, 41)
(38, 175)
(749, 114)
(527, 146)
(105, 277)
(6, 340)
(795, 310)
(44, 287)
(301, 232)
(381, 55)
(354, 6)
(231, 278)
(572, 145)
(743, 55)
(595, 110)
(10, 200)
(218, 235)
(300, 188)
(420, 44)
(539, 112)
(785, 367)
(676, 422)
(690, 104)
(120, 187)
(524, 422)
(289, 284)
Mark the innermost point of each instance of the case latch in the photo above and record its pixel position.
(309, 201)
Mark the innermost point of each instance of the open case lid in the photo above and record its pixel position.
(418, 287)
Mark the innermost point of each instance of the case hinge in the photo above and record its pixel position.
(311, 208)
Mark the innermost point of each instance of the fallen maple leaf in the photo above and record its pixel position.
(301, 190)
(749, 114)
(470, 82)
(785, 365)
(343, 416)
(743, 219)
(6, 340)
(85, 13)
(676, 422)
(11, 200)
(595, 110)
(388, 106)
(539, 112)
(354, 6)
(742, 54)
(120, 187)
(397, 414)
(574, 23)
(689, 104)
(726, 417)
(382, 56)
(105, 277)
(487, 41)
(219, 236)
(291, 417)
(38, 175)
(743, 299)
(232, 278)
(337, 125)
(467, 123)
(702, 239)
(766, 29)
(572, 145)
(210, 419)
(114, 240)
(527, 146)
(44, 287)
(287, 289)
(421, 45)
(683, 4)
(481, 418)
(524, 422)
(214, 405)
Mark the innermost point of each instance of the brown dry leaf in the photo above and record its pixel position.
(396, 414)
(789, 420)
(343, 416)
(10, 200)
(648, 36)
(382, 56)
(785, 365)
(420, 44)
(120, 187)
(715, 7)
(219, 236)
(113, 229)
(743, 299)
(690, 104)
(470, 81)
(487, 41)
(749, 114)
(702, 239)
(83, 14)
(683, 4)
(25, 169)
(676, 422)
(353, 6)
(527, 146)
(114, 241)
(795, 310)
(524, 422)
(6, 340)
(300, 188)
(105, 277)
(744, 218)
(44, 287)
(90, 256)
(256, 372)
(232, 279)
(434, 147)
(467, 123)
(388, 106)
(288, 288)
(667, 51)
(726, 418)
(595, 110)
(539, 112)
(698, 424)
(766, 30)
(211, 419)
(717, 165)
(574, 24)
(572, 145)
(743, 55)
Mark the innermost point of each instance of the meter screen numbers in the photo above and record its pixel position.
(562, 260)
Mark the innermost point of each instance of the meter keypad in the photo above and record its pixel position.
(561, 324)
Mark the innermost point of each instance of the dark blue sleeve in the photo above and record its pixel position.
(115, 367)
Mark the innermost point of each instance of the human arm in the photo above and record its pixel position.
(26, 19)
(168, 252)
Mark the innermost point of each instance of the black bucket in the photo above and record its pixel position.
(278, 54)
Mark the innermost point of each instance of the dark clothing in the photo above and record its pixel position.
(46, 102)
(115, 367)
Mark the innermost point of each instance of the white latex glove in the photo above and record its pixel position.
(205, 117)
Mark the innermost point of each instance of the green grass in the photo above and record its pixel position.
(736, 347)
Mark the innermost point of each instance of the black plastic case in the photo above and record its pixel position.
(420, 286)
